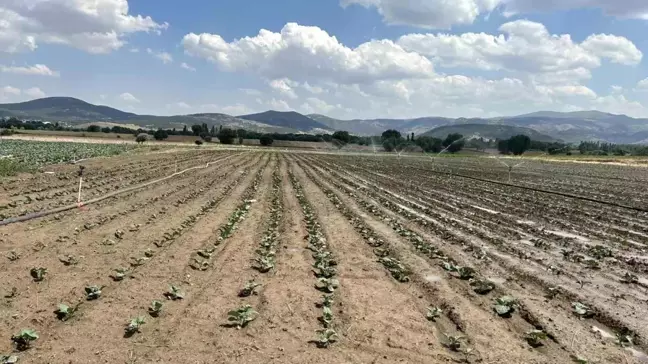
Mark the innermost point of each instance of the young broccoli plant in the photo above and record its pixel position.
(325, 337)
(482, 286)
(156, 308)
(535, 338)
(505, 305)
(327, 301)
(453, 342)
(241, 316)
(93, 292)
(38, 274)
(629, 278)
(328, 285)
(119, 274)
(624, 338)
(466, 273)
(581, 310)
(68, 260)
(264, 263)
(133, 326)
(24, 339)
(8, 359)
(327, 317)
(433, 313)
(174, 293)
(65, 312)
(249, 289)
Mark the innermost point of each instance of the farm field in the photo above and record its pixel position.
(249, 256)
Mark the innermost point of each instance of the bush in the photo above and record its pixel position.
(160, 134)
(266, 140)
(454, 142)
(141, 138)
(93, 129)
(6, 132)
(105, 130)
(227, 136)
(198, 142)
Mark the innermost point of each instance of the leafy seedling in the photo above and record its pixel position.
(65, 312)
(327, 285)
(241, 316)
(133, 326)
(624, 338)
(449, 266)
(466, 273)
(581, 310)
(325, 338)
(453, 342)
(156, 308)
(206, 253)
(505, 305)
(24, 339)
(552, 292)
(13, 256)
(433, 313)
(327, 316)
(149, 253)
(174, 293)
(482, 286)
(8, 359)
(93, 292)
(629, 278)
(327, 301)
(38, 274)
(119, 274)
(198, 264)
(68, 260)
(535, 338)
(325, 271)
(249, 289)
(263, 263)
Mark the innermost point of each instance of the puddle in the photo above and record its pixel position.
(485, 209)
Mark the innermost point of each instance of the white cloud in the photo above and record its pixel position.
(284, 87)
(97, 26)
(250, 91)
(34, 92)
(236, 109)
(187, 67)
(35, 70)
(9, 90)
(165, 57)
(303, 53)
(442, 14)
(525, 47)
(182, 105)
(643, 84)
(128, 97)
(134, 50)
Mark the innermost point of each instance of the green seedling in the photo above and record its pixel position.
(552, 292)
(535, 338)
(24, 339)
(8, 359)
(505, 305)
(581, 310)
(482, 286)
(156, 308)
(65, 312)
(449, 266)
(119, 274)
(149, 253)
(629, 278)
(69, 260)
(325, 271)
(624, 338)
(453, 342)
(136, 262)
(328, 285)
(174, 293)
(326, 337)
(134, 326)
(327, 316)
(433, 313)
(241, 316)
(327, 301)
(13, 256)
(38, 274)
(206, 253)
(466, 273)
(93, 292)
(198, 264)
(264, 263)
(249, 289)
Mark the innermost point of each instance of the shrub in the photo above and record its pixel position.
(266, 140)
(141, 138)
(160, 134)
(227, 136)
(198, 142)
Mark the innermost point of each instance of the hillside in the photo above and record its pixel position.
(287, 119)
(487, 131)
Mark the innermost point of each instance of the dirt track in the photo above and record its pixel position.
(201, 232)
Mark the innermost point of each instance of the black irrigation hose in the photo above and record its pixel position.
(35, 215)
(569, 195)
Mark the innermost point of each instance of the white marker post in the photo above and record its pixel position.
(81, 169)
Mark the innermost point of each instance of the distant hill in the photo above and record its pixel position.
(487, 131)
(287, 119)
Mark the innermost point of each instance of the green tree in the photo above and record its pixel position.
(519, 144)
(266, 140)
(160, 134)
(213, 131)
(391, 134)
(227, 136)
(429, 144)
(197, 129)
(105, 130)
(184, 130)
(141, 138)
(341, 138)
(93, 129)
(454, 142)
(241, 133)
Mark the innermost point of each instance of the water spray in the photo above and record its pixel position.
(510, 167)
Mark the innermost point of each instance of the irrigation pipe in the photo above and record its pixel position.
(564, 194)
(35, 215)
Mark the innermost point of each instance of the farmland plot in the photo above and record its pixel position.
(294, 257)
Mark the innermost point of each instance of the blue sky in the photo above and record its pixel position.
(342, 58)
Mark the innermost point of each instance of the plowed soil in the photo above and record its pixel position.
(408, 236)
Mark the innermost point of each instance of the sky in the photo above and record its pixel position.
(341, 58)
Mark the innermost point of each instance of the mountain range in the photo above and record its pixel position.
(566, 126)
